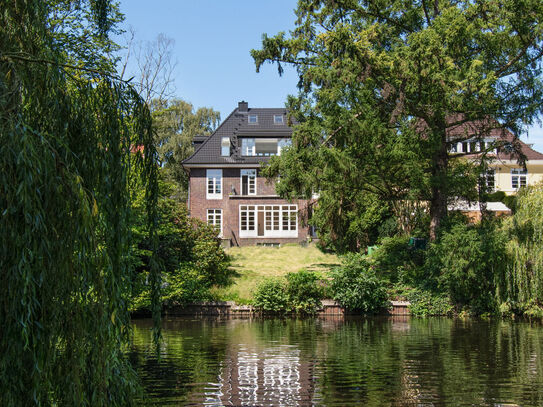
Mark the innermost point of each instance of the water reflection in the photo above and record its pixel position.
(337, 362)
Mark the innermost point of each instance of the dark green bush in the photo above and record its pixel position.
(396, 261)
(468, 261)
(271, 296)
(423, 302)
(356, 286)
(304, 291)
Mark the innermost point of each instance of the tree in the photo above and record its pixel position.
(176, 124)
(399, 77)
(524, 279)
(67, 131)
(153, 77)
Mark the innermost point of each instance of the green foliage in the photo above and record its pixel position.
(524, 278)
(395, 261)
(382, 86)
(469, 261)
(304, 291)
(424, 302)
(271, 296)
(67, 129)
(176, 124)
(189, 252)
(356, 286)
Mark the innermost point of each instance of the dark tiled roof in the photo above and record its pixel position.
(489, 129)
(237, 124)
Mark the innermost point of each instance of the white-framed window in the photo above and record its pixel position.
(275, 221)
(248, 147)
(225, 146)
(518, 178)
(278, 119)
(214, 184)
(248, 182)
(252, 119)
(488, 180)
(214, 218)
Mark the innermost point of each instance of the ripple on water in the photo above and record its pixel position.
(371, 362)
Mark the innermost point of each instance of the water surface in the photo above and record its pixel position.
(395, 361)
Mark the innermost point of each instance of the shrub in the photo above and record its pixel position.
(396, 261)
(271, 296)
(185, 286)
(304, 291)
(468, 261)
(356, 287)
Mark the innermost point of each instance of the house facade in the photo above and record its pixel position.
(473, 139)
(226, 188)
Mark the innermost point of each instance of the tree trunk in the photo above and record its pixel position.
(438, 200)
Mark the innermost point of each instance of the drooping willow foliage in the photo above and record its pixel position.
(525, 247)
(68, 132)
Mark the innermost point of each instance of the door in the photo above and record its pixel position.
(260, 223)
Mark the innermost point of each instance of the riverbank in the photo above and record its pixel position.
(253, 264)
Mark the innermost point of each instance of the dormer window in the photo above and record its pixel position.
(253, 119)
(225, 146)
(278, 119)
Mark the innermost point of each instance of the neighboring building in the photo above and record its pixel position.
(504, 173)
(225, 185)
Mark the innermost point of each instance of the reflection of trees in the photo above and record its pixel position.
(372, 362)
(191, 354)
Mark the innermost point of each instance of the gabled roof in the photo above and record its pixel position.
(491, 129)
(237, 125)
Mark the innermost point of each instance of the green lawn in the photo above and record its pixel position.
(252, 264)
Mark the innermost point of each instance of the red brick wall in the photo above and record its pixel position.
(198, 205)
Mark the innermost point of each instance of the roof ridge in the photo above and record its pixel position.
(210, 136)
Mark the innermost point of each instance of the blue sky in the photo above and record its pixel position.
(212, 43)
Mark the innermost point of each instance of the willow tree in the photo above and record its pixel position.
(410, 70)
(524, 279)
(67, 133)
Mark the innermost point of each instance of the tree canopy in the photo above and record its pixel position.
(176, 124)
(382, 83)
(68, 129)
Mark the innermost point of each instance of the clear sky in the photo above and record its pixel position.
(213, 39)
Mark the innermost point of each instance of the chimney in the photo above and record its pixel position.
(243, 107)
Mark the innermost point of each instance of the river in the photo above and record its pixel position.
(377, 361)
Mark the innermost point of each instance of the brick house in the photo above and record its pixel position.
(226, 188)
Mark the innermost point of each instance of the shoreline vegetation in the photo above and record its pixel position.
(469, 271)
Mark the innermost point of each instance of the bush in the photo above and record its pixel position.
(356, 287)
(423, 302)
(271, 296)
(396, 261)
(468, 261)
(185, 286)
(304, 291)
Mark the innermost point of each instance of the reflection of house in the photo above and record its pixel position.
(225, 185)
(275, 376)
(475, 139)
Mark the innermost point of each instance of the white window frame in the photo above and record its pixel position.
(214, 183)
(490, 174)
(225, 146)
(278, 119)
(280, 221)
(251, 181)
(214, 218)
(518, 177)
(252, 116)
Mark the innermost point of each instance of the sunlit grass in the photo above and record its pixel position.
(253, 264)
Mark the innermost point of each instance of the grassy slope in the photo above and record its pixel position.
(252, 264)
